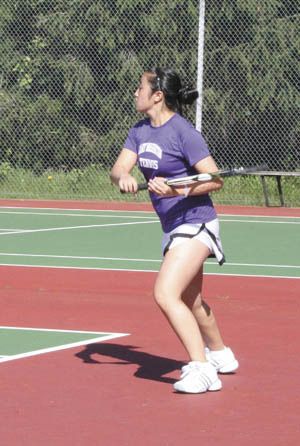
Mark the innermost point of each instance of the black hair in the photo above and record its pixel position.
(168, 81)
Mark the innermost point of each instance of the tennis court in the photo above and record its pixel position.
(87, 358)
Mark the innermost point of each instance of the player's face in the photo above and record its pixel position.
(144, 97)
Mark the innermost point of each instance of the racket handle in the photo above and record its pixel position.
(141, 186)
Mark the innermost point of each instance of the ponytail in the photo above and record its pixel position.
(187, 95)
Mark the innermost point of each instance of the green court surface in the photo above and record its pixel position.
(16, 343)
(130, 240)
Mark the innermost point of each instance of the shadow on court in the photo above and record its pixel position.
(149, 366)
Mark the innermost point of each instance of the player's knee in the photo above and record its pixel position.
(161, 297)
(192, 299)
(197, 304)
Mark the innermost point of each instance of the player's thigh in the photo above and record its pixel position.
(180, 266)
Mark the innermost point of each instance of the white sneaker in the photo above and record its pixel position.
(198, 377)
(223, 360)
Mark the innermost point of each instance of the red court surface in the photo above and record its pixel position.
(119, 392)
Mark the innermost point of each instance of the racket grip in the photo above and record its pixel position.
(141, 186)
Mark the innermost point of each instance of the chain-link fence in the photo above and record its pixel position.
(68, 70)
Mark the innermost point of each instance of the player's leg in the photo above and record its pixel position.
(180, 265)
(218, 354)
(203, 313)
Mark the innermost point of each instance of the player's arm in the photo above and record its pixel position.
(120, 173)
(206, 165)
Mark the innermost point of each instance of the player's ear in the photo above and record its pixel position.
(158, 96)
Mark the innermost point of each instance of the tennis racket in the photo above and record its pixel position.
(192, 179)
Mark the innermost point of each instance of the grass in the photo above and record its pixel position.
(93, 183)
(249, 191)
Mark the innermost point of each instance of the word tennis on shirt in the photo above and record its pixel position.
(150, 164)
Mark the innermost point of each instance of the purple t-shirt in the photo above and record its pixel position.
(171, 151)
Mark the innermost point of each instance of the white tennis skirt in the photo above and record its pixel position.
(207, 233)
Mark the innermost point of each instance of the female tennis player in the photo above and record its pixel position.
(166, 145)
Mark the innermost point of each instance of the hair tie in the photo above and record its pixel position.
(182, 91)
(158, 83)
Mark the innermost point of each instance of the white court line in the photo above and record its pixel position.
(142, 217)
(260, 265)
(78, 210)
(258, 216)
(64, 228)
(50, 256)
(124, 259)
(60, 347)
(283, 217)
(26, 231)
(52, 214)
(11, 229)
(13, 265)
(235, 220)
(260, 221)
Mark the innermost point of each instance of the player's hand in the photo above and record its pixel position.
(128, 184)
(159, 187)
